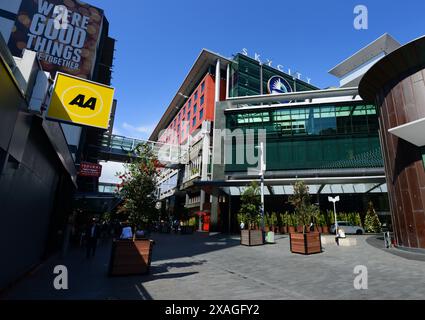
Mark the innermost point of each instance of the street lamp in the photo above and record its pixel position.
(335, 200)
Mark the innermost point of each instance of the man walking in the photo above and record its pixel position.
(92, 234)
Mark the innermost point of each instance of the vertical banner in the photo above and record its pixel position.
(69, 49)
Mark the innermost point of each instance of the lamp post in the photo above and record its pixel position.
(335, 200)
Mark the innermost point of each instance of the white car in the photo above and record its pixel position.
(348, 227)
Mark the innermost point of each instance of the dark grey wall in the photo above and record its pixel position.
(33, 181)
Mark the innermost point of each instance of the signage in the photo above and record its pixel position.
(88, 169)
(80, 101)
(279, 67)
(64, 33)
(277, 85)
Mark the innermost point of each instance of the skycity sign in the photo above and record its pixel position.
(279, 67)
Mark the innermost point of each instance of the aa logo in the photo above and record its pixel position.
(82, 101)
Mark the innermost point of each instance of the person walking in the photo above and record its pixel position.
(92, 235)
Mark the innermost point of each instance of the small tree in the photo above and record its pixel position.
(250, 204)
(371, 222)
(138, 187)
(304, 210)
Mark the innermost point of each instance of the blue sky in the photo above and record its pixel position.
(158, 41)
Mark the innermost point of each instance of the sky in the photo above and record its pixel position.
(158, 42)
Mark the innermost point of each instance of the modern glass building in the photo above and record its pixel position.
(328, 138)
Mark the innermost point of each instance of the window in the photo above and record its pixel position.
(201, 114)
(196, 96)
(188, 116)
(189, 104)
(193, 121)
(202, 87)
(202, 101)
(194, 108)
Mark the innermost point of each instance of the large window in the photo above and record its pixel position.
(195, 106)
(320, 136)
(313, 121)
(201, 114)
(201, 102)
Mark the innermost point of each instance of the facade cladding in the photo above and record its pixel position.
(248, 73)
(328, 137)
(199, 107)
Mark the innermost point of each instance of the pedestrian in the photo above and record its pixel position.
(340, 234)
(92, 235)
(242, 225)
(311, 226)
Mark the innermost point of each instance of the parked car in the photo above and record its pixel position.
(348, 227)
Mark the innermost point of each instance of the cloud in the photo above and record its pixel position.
(142, 131)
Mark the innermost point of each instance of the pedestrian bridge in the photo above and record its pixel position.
(122, 149)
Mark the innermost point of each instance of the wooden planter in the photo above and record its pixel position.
(130, 257)
(251, 237)
(291, 229)
(300, 228)
(305, 243)
(325, 229)
(283, 229)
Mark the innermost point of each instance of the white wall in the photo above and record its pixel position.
(109, 170)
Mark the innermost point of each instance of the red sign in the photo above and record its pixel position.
(88, 169)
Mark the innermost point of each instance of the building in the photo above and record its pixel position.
(21, 24)
(329, 138)
(39, 158)
(396, 84)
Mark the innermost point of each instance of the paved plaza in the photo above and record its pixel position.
(202, 266)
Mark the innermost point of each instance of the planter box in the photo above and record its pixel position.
(291, 229)
(130, 257)
(251, 237)
(325, 229)
(307, 243)
(283, 230)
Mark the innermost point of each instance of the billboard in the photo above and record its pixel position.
(88, 169)
(80, 101)
(64, 43)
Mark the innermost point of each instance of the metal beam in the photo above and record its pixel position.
(373, 188)
(321, 188)
(300, 95)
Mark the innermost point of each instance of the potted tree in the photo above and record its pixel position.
(138, 187)
(250, 208)
(304, 242)
(292, 223)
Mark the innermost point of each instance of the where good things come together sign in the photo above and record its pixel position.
(71, 49)
(80, 101)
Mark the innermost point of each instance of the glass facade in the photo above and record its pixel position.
(314, 137)
(247, 73)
